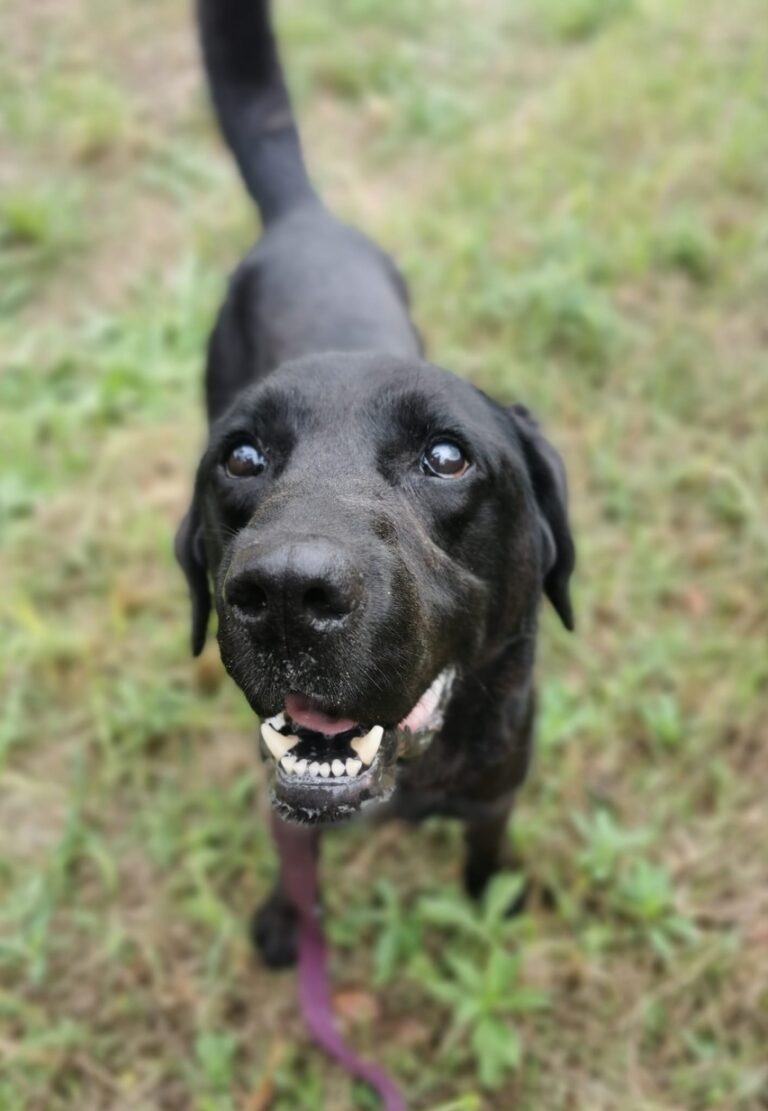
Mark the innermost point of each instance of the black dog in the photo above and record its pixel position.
(377, 531)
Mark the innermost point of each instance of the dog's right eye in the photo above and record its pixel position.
(245, 461)
(445, 459)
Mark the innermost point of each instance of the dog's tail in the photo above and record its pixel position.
(252, 103)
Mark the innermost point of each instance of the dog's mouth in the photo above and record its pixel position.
(325, 768)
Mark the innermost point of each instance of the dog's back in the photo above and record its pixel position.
(312, 283)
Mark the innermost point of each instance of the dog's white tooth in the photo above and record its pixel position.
(366, 747)
(300, 767)
(325, 770)
(337, 767)
(288, 762)
(314, 768)
(277, 744)
(277, 722)
(353, 766)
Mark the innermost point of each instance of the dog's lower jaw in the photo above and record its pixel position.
(326, 799)
(329, 815)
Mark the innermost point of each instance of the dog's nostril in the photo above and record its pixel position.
(322, 605)
(248, 597)
(257, 599)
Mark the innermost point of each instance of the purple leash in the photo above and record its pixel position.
(298, 856)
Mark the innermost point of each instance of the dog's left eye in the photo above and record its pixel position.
(445, 460)
(245, 461)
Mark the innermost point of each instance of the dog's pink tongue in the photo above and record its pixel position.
(301, 712)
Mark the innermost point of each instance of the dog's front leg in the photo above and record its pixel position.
(485, 840)
(274, 927)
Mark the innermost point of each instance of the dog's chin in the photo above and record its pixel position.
(321, 778)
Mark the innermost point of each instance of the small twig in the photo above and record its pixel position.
(261, 1097)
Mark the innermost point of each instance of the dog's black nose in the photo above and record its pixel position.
(302, 585)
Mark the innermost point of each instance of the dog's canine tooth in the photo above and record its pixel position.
(288, 762)
(277, 744)
(277, 722)
(366, 747)
(314, 768)
(325, 770)
(353, 766)
(337, 767)
(300, 767)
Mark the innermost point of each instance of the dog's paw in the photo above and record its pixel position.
(476, 883)
(520, 901)
(274, 932)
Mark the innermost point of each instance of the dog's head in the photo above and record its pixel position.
(372, 526)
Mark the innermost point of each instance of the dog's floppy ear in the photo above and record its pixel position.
(190, 552)
(550, 488)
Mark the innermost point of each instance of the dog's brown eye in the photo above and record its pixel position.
(245, 461)
(445, 460)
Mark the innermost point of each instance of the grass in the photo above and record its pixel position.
(576, 190)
